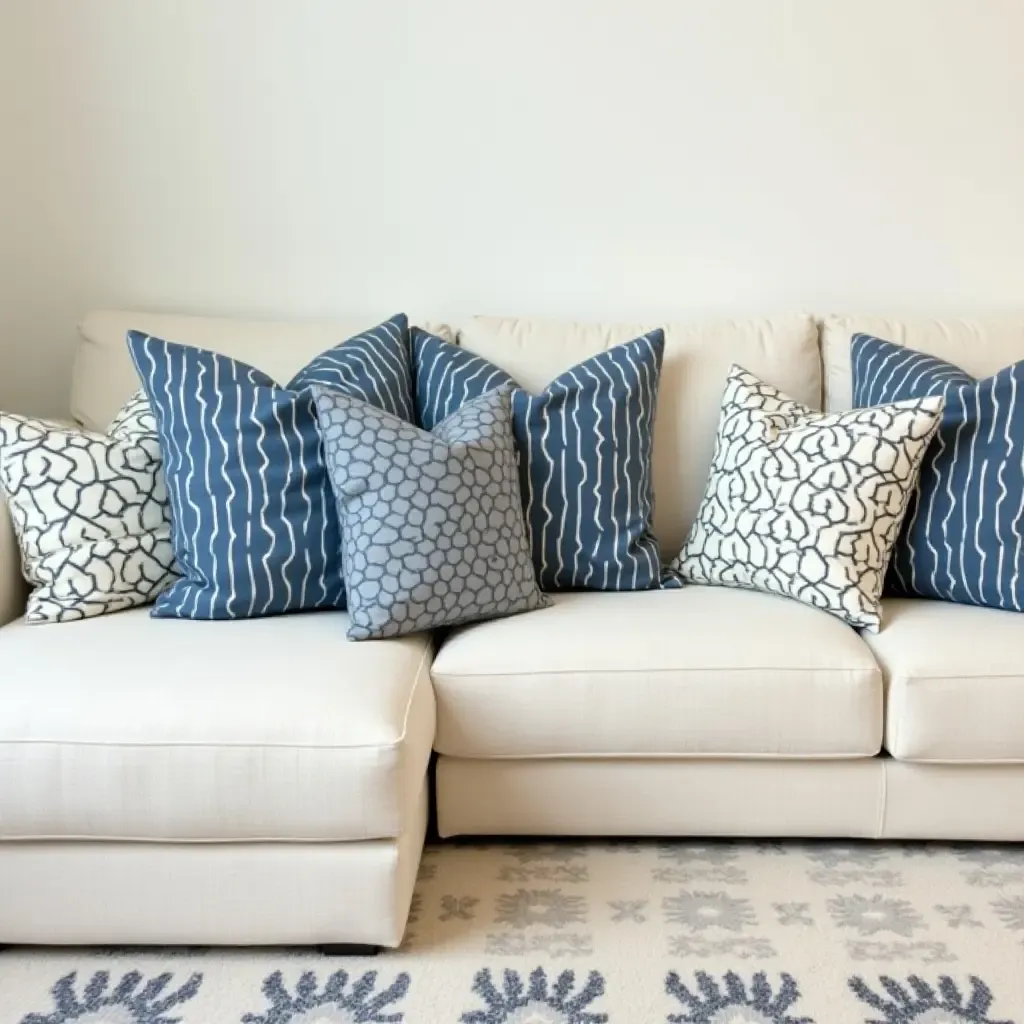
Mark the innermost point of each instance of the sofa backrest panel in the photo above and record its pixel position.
(105, 378)
(981, 347)
(783, 351)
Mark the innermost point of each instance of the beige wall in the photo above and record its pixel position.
(320, 157)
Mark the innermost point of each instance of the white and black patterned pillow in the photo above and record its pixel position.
(90, 511)
(806, 504)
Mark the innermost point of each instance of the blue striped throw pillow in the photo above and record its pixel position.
(584, 446)
(255, 527)
(961, 540)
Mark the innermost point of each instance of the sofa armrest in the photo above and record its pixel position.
(13, 590)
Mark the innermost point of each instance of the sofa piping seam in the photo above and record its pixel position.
(904, 679)
(57, 837)
(960, 762)
(661, 756)
(446, 676)
(213, 745)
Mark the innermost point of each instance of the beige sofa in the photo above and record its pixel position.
(264, 781)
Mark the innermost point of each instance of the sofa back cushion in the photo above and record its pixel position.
(782, 351)
(105, 378)
(981, 347)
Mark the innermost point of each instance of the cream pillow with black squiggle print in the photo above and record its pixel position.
(90, 512)
(805, 504)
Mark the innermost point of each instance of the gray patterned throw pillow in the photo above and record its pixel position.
(432, 523)
(90, 511)
(807, 504)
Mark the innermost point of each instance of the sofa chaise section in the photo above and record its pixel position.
(161, 781)
(273, 752)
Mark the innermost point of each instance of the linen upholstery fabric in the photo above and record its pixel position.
(255, 527)
(953, 801)
(954, 682)
(585, 449)
(658, 797)
(432, 523)
(90, 512)
(698, 354)
(804, 504)
(599, 675)
(229, 735)
(873, 797)
(217, 894)
(962, 537)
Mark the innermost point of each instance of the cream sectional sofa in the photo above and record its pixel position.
(264, 782)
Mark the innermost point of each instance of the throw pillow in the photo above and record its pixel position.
(584, 446)
(432, 522)
(806, 504)
(255, 527)
(961, 540)
(90, 511)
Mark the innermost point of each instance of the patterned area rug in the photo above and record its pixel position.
(609, 933)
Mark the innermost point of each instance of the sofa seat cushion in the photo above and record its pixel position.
(954, 678)
(697, 672)
(128, 727)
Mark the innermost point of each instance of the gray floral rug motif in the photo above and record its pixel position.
(629, 932)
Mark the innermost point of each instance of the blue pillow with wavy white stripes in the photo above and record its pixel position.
(255, 527)
(584, 446)
(961, 539)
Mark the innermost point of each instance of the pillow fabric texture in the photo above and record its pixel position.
(961, 540)
(432, 523)
(255, 527)
(90, 512)
(584, 447)
(806, 504)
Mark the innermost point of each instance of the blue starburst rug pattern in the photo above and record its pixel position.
(608, 933)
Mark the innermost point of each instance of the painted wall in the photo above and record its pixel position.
(591, 158)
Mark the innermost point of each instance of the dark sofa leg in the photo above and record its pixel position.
(347, 949)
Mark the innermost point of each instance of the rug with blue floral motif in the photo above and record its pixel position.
(608, 933)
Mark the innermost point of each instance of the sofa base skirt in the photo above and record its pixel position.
(197, 894)
(867, 798)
